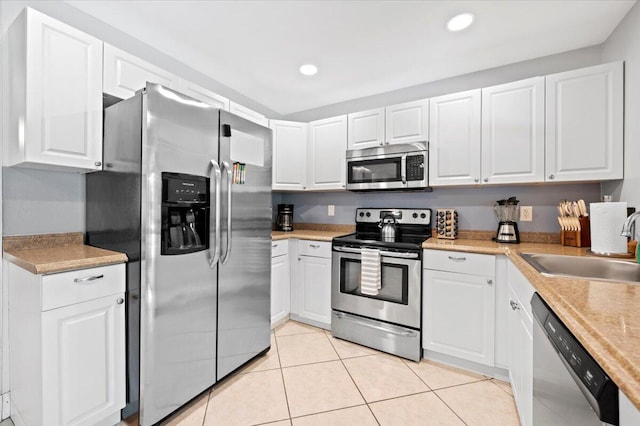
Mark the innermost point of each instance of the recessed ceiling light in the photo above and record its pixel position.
(308, 69)
(460, 22)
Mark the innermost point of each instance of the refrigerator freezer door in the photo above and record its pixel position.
(178, 292)
(245, 267)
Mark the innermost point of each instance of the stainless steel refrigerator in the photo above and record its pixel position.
(185, 192)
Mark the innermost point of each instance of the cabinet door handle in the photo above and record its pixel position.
(457, 259)
(98, 163)
(274, 245)
(476, 180)
(89, 278)
(314, 245)
(486, 179)
(514, 305)
(120, 301)
(551, 177)
(489, 281)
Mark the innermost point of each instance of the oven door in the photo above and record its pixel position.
(399, 298)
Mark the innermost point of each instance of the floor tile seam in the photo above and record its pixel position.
(398, 397)
(419, 377)
(284, 383)
(298, 334)
(327, 411)
(332, 345)
(206, 408)
(310, 363)
(459, 384)
(354, 382)
(501, 388)
(449, 407)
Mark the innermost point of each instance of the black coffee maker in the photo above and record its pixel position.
(284, 220)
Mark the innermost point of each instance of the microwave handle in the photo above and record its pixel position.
(403, 168)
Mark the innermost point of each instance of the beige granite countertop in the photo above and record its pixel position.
(51, 253)
(313, 231)
(604, 316)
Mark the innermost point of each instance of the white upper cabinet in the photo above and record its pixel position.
(202, 94)
(407, 122)
(249, 114)
(125, 74)
(454, 139)
(289, 155)
(366, 129)
(513, 132)
(584, 132)
(54, 106)
(326, 153)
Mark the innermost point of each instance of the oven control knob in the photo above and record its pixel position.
(368, 214)
(361, 214)
(423, 215)
(415, 215)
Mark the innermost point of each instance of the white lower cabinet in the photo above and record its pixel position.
(521, 343)
(312, 287)
(458, 309)
(280, 282)
(629, 414)
(67, 346)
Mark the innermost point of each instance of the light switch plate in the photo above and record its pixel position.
(331, 210)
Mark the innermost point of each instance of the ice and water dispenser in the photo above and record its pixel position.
(185, 213)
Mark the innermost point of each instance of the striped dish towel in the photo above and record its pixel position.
(370, 271)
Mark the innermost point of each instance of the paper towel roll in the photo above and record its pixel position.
(606, 223)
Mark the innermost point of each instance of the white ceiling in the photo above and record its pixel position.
(361, 48)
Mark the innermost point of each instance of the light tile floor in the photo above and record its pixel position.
(309, 378)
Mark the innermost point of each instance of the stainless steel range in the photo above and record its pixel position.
(376, 282)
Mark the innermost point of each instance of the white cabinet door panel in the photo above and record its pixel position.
(55, 101)
(366, 129)
(326, 153)
(407, 122)
(454, 139)
(289, 155)
(513, 132)
(314, 281)
(280, 289)
(459, 315)
(584, 130)
(125, 74)
(84, 361)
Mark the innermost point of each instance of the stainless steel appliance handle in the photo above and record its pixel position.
(403, 168)
(87, 279)
(215, 244)
(225, 166)
(377, 327)
(382, 253)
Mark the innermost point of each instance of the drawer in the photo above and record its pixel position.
(280, 247)
(67, 288)
(460, 262)
(314, 248)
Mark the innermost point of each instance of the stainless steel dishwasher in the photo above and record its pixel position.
(569, 387)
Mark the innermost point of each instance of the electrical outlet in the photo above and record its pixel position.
(331, 210)
(526, 213)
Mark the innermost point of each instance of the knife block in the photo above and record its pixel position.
(581, 238)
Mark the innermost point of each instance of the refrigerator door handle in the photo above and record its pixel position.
(217, 177)
(227, 168)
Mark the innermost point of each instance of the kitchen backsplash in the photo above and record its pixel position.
(474, 205)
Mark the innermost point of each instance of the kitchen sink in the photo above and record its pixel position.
(584, 267)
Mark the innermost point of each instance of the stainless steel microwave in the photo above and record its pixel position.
(397, 167)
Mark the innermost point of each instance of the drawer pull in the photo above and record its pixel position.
(457, 259)
(514, 305)
(274, 245)
(89, 278)
(314, 245)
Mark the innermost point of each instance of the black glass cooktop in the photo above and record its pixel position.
(360, 239)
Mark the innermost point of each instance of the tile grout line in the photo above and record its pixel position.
(284, 384)
(436, 394)
(206, 408)
(354, 382)
(504, 390)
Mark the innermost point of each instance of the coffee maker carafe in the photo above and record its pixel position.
(507, 214)
(284, 220)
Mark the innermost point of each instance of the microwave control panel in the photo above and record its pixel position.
(415, 167)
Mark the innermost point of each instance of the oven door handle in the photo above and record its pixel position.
(382, 253)
(404, 333)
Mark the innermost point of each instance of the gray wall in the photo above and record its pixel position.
(42, 202)
(624, 44)
(541, 66)
(475, 205)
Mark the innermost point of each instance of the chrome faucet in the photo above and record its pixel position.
(629, 225)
